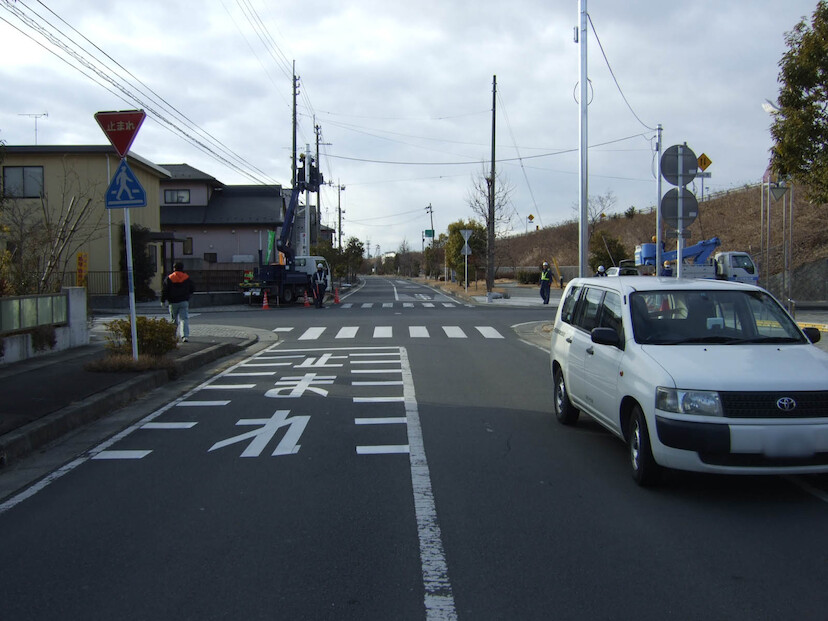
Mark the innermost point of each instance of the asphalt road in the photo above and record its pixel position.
(395, 457)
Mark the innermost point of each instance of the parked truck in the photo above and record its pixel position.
(701, 261)
(281, 274)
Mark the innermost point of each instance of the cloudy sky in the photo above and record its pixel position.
(402, 92)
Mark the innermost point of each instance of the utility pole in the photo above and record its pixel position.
(430, 211)
(293, 156)
(339, 215)
(308, 167)
(583, 175)
(318, 130)
(490, 251)
(318, 228)
(36, 116)
(658, 204)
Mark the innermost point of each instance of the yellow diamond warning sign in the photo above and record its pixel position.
(704, 162)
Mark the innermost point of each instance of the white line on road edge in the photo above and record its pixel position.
(439, 600)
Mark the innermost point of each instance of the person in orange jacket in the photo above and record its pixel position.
(177, 289)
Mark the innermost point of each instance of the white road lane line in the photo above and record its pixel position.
(386, 449)
(121, 455)
(166, 426)
(439, 599)
(454, 332)
(390, 420)
(416, 332)
(379, 399)
(383, 332)
(347, 332)
(229, 387)
(201, 404)
(379, 383)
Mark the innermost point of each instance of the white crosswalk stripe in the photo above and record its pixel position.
(348, 332)
(380, 332)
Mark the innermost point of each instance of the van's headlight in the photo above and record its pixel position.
(698, 402)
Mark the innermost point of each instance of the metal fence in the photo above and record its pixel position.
(30, 311)
(115, 283)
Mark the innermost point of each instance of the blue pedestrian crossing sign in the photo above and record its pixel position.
(125, 190)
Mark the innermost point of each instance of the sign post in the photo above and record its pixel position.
(125, 191)
(466, 233)
(679, 166)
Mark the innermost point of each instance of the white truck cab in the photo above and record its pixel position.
(308, 264)
(736, 266)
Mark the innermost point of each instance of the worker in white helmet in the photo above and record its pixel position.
(601, 271)
(319, 282)
(545, 282)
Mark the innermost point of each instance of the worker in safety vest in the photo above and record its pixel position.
(545, 282)
(319, 282)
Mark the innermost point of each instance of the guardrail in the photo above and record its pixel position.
(30, 311)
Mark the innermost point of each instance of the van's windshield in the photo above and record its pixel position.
(674, 317)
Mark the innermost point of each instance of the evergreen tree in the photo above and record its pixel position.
(800, 127)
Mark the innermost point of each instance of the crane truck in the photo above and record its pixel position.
(701, 261)
(284, 277)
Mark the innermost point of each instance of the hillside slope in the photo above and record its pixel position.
(734, 217)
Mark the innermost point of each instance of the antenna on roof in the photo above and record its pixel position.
(36, 116)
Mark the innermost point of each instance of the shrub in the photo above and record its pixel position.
(43, 337)
(118, 363)
(527, 278)
(156, 337)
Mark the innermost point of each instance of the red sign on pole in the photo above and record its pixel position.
(121, 127)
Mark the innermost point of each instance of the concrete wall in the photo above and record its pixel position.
(19, 346)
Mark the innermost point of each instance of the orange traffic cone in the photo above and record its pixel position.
(265, 305)
(307, 304)
(336, 295)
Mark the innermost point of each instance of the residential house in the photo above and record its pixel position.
(67, 179)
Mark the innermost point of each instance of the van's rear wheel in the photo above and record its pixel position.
(645, 470)
(565, 412)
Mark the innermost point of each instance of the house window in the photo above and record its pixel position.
(188, 246)
(210, 257)
(176, 196)
(23, 181)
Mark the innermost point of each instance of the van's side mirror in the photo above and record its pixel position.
(813, 334)
(606, 336)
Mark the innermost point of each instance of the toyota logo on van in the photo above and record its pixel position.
(786, 404)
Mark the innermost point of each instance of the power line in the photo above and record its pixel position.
(612, 73)
(93, 67)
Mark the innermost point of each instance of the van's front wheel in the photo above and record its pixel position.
(565, 412)
(288, 295)
(645, 470)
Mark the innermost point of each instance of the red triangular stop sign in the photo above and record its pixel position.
(121, 127)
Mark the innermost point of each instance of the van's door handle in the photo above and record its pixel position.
(590, 350)
(569, 340)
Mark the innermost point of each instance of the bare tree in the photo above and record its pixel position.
(478, 200)
(44, 234)
(598, 207)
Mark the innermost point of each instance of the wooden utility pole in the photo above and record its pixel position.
(293, 156)
(490, 245)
